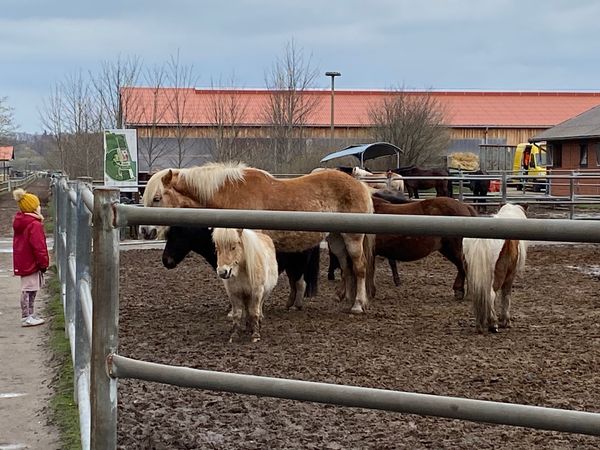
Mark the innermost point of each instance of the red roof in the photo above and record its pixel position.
(6, 153)
(463, 108)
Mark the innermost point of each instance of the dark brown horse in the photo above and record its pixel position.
(443, 188)
(396, 247)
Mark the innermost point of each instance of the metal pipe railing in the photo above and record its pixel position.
(360, 397)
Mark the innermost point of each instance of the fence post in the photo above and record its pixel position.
(105, 317)
(82, 344)
(572, 195)
(503, 187)
(70, 275)
(460, 186)
(62, 233)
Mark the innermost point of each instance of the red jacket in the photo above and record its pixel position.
(30, 253)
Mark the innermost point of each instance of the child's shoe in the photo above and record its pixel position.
(31, 321)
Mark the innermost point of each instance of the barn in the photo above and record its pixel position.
(206, 117)
(574, 147)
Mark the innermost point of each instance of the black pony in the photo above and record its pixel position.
(443, 188)
(302, 268)
(480, 188)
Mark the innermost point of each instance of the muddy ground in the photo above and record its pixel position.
(414, 338)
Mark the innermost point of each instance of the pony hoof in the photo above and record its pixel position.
(493, 329)
(459, 295)
(255, 339)
(357, 310)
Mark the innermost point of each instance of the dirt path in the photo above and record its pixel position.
(25, 378)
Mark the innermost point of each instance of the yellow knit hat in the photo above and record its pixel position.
(27, 202)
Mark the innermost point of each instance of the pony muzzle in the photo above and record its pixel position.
(224, 272)
(169, 262)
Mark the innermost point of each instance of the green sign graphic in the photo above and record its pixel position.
(118, 165)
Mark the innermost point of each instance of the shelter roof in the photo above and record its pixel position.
(364, 152)
(585, 125)
(463, 109)
(7, 153)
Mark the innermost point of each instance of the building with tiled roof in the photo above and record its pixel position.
(474, 117)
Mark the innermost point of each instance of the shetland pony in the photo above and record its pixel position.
(153, 188)
(301, 268)
(491, 266)
(236, 186)
(397, 247)
(247, 265)
(443, 188)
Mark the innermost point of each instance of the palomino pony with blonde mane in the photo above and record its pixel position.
(491, 266)
(237, 186)
(247, 264)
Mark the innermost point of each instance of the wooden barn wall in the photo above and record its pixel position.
(512, 136)
(570, 162)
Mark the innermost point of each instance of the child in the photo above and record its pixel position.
(30, 254)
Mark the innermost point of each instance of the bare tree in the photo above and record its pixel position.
(226, 110)
(7, 122)
(109, 84)
(415, 123)
(70, 116)
(181, 79)
(151, 142)
(290, 105)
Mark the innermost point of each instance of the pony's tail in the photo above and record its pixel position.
(479, 266)
(311, 273)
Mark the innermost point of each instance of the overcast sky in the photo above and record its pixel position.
(375, 44)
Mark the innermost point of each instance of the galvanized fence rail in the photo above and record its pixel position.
(91, 303)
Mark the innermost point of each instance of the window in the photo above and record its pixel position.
(598, 153)
(583, 155)
(555, 155)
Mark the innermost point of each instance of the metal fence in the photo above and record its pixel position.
(91, 304)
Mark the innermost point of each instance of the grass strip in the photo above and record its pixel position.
(63, 410)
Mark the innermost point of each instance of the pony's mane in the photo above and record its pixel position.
(252, 249)
(153, 186)
(204, 181)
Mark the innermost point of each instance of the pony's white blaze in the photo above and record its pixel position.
(491, 266)
(247, 264)
(151, 197)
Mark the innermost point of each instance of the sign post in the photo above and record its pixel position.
(121, 159)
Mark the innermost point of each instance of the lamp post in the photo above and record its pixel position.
(332, 75)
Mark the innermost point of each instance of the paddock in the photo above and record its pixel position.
(100, 365)
(415, 338)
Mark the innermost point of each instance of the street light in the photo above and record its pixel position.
(332, 75)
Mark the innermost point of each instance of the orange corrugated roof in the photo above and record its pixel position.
(6, 153)
(463, 108)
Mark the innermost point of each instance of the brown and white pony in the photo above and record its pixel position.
(247, 264)
(236, 186)
(375, 179)
(491, 266)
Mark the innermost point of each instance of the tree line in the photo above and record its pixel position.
(82, 105)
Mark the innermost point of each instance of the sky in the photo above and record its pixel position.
(375, 44)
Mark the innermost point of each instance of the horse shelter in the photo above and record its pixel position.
(90, 290)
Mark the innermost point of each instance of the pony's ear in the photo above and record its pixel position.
(167, 178)
(524, 206)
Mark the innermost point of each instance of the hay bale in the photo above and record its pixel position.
(463, 161)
